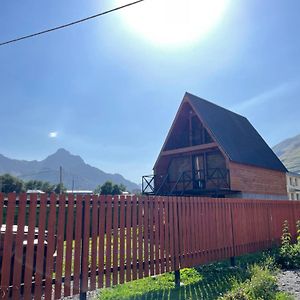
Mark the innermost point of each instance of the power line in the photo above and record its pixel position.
(69, 24)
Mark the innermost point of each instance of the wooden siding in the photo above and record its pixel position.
(254, 180)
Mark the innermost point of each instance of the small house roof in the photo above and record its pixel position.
(236, 135)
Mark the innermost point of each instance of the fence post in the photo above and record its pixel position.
(82, 295)
(177, 278)
(232, 259)
(176, 247)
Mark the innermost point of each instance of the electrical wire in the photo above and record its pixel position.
(69, 24)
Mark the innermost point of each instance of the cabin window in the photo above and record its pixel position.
(177, 166)
(215, 160)
(198, 133)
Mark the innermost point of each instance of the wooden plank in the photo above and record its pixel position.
(193, 230)
(188, 230)
(134, 238)
(77, 250)
(115, 240)
(146, 236)
(162, 235)
(50, 247)
(7, 246)
(171, 234)
(18, 263)
(189, 149)
(205, 231)
(182, 232)
(217, 232)
(69, 246)
(197, 229)
(176, 234)
(128, 238)
(122, 238)
(156, 233)
(101, 240)
(151, 233)
(166, 233)
(108, 231)
(85, 244)
(140, 236)
(94, 256)
(60, 245)
(1, 218)
(30, 247)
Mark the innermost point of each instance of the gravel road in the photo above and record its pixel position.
(289, 281)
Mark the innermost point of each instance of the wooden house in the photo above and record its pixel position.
(212, 151)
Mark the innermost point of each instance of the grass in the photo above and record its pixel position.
(207, 282)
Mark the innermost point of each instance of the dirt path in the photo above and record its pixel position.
(289, 281)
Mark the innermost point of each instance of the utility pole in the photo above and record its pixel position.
(73, 183)
(60, 179)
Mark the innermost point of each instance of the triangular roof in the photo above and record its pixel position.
(234, 134)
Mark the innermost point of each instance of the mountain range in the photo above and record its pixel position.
(289, 153)
(75, 172)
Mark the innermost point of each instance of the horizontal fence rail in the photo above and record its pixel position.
(61, 245)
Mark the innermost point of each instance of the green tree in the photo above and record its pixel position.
(109, 188)
(44, 186)
(9, 184)
(59, 188)
(97, 190)
(47, 187)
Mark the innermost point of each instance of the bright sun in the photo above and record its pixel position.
(173, 22)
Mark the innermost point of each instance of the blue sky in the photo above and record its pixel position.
(111, 95)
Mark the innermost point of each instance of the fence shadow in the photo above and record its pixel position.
(216, 280)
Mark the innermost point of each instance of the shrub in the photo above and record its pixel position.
(262, 285)
(289, 254)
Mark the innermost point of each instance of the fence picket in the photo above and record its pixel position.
(94, 257)
(50, 247)
(122, 238)
(18, 262)
(115, 239)
(69, 246)
(140, 236)
(101, 239)
(108, 231)
(77, 249)
(134, 238)
(128, 238)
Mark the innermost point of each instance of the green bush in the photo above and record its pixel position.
(262, 285)
(289, 254)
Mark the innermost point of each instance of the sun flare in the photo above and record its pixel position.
(173, 22)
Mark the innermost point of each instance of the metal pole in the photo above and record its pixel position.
(177, 278)
(60, 179)
(82, 295)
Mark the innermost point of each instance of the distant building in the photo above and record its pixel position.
(79, 192)
(293, 185)
(35, 192)
(212, 151)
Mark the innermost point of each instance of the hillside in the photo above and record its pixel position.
(289, 153)
(74, 168)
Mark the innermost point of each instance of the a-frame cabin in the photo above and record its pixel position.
(212, 151)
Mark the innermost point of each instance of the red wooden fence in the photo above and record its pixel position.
(62, 245)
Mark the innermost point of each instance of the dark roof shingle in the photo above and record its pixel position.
(236, 136)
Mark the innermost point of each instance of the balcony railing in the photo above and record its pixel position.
(213, 179)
